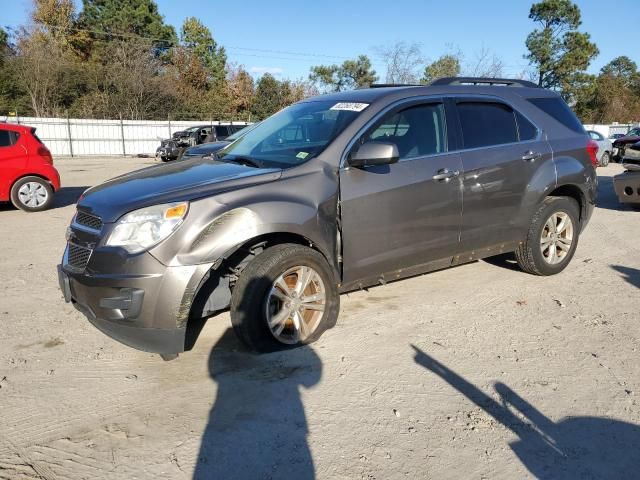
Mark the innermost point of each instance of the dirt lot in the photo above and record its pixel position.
(480, 371)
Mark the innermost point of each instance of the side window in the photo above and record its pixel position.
(526, 129)
(416, 131)
(5, 138)
(596, 136)
(222, 131)
(485, 124)
(560, 111)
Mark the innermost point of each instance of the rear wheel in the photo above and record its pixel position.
(285, 297)
(552, 238)
(32, 194)
(606, 158)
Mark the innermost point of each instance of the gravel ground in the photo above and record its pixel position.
(479, 371)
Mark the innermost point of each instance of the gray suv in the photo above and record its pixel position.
(334, 193)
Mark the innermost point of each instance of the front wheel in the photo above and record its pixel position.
(552, 238)
(32, 194)
(285, 297)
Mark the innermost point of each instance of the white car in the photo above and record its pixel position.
(605, 147)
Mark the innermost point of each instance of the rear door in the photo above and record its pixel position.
(408, 213)
(501, 151)
(13, 160)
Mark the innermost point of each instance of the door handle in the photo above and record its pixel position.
(445, 174)
(531, 156)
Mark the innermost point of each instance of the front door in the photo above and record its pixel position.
(407, 213)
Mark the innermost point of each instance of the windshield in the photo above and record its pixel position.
(293, 135)
(241, 132)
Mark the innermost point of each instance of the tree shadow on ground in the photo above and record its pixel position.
(257, 426)
(575, 447)
(631, 275)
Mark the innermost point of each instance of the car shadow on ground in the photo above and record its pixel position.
(257, 426)
(574, 447)
(504, 260)
(631, 275)
(67, 196)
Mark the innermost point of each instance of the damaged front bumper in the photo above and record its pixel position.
(146, 308)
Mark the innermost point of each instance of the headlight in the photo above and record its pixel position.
(142, 229)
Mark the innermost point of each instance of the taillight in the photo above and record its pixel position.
(592, 151)
(45, 154)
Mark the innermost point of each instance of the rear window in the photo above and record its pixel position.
(485, 124)
(5, 138)
(559, 110)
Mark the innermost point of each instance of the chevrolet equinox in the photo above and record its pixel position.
(334, 193)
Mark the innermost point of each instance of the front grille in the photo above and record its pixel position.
(87, 220)
(78, 256)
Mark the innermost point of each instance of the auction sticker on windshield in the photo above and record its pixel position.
(352, 107)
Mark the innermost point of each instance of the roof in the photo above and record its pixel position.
(15, 127)
(371, 95)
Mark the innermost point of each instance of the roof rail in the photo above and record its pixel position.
(505, 82)
(385, 85)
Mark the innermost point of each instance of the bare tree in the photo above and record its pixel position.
(485, 64)
(403, 61)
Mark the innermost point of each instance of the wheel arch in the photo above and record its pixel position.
(571, 191)
(213, 294)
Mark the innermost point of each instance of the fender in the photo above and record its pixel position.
(226, 222)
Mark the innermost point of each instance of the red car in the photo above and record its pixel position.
(27, 176)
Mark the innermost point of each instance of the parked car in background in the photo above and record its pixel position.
(173, 148)
(614, 136)
(627, 184)
(620, 144)
(212, 147)
(331, 194)
(28, 178)
(605, 147)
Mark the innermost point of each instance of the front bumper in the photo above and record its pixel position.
(145, 306)
(627, 187)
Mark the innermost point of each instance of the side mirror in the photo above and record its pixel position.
(375, 153)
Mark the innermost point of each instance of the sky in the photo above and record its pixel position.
(287, 37)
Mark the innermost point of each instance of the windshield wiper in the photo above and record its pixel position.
(249, 162)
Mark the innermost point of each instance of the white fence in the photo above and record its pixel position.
(608, 130)
(73, 136)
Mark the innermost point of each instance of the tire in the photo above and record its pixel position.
(32, 194)
(530, 256)
(253, 301)
(604, 161)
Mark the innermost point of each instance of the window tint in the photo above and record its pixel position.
(485, 124)
(416, 131)
(5, 138)
(222, 131)
(558, 109)
(526, 129)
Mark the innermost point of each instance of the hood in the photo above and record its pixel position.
(627, 139)
(206, 148)
(173, 182)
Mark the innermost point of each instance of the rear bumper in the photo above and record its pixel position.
(627, 187)
(147, 311)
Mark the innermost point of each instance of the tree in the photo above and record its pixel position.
(129, 17)
(446, 66)
(485, 64)
(351, 74)
(557, 50)
(240, 91)
(198, 39)
(269, 97)
(402, 61)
